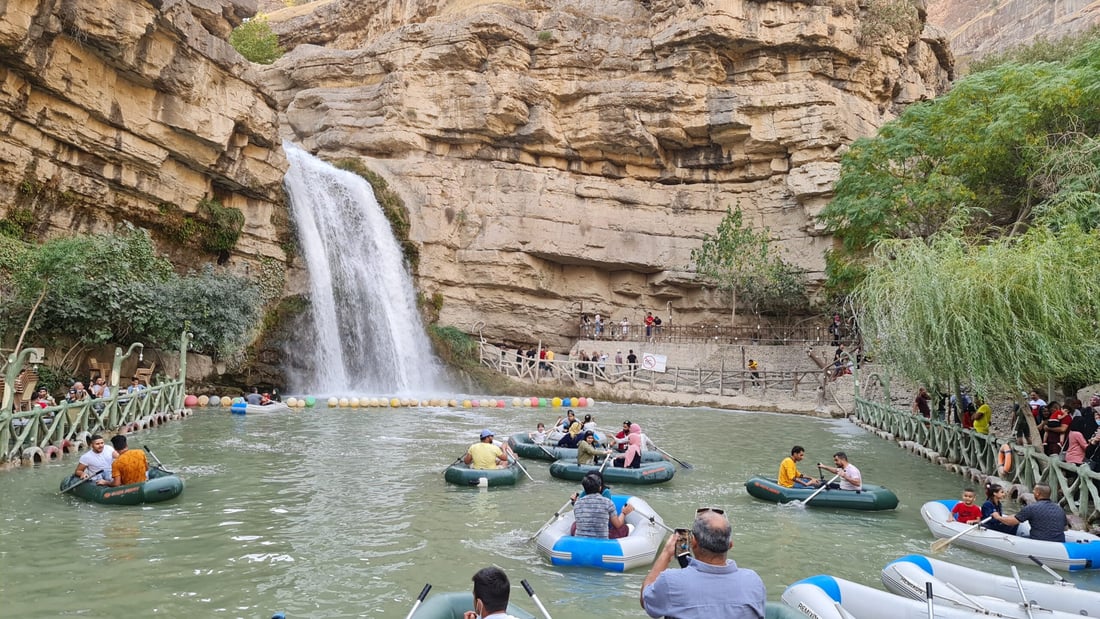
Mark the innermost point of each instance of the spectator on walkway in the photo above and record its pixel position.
(1036, 403)
(598, 324)
(1054, 428)
(754, 372)
(982, 416)
(836, 327)
(632, 361)
(921, 403)
(586, 326)
(618, 362)
(1076, 443)
(625, 326)
(648, 325)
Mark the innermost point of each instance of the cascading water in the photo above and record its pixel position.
(366, 333)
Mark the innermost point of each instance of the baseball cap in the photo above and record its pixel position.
(485, 433)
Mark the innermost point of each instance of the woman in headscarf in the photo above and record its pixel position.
(632, 458)
(573, 437)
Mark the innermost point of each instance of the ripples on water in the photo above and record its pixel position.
(329, 513)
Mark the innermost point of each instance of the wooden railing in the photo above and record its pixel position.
(1076, 487)
(724, 334)
(711, 381)
(39, 433)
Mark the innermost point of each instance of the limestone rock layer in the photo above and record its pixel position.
(560, 157)
(118, 111)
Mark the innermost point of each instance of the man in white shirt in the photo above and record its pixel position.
(850, 477)
(96, 462)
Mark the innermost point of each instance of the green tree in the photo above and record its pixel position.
(255, 40)
(1000, 316)
(741, 261)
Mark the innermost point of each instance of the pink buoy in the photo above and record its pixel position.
(500, 403)
(190, 401)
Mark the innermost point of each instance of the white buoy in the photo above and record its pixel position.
(332, 402)
(354, 402)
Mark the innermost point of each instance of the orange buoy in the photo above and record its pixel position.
(1004, 458)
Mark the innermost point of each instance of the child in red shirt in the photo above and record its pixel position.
(966, 511)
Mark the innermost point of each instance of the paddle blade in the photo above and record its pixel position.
(941, 545)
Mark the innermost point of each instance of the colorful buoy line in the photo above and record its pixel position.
(192, 401)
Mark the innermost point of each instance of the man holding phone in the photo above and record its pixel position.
(711, 585)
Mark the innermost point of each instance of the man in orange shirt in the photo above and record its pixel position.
(130, 466)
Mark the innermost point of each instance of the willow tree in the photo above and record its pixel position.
(1000, 317)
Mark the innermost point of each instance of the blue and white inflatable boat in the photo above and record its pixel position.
(1080, 551)
(614, 555)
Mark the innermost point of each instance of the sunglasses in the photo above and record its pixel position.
(720, 512)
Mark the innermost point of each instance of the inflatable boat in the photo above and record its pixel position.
(460, 474)
(829, 597)
(870, 498)
(614, 555)
(648, 473)
(907, 575)
(455, 605)
(526, 448)
(161, 486)
(1080, 551)
(242, 408)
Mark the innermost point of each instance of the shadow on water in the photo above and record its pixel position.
(338, 513)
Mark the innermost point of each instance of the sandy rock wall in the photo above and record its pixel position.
(111, 111)
(566, 156)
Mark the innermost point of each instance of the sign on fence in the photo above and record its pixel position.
(654, 363)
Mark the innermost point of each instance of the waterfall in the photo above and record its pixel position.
(366, 335)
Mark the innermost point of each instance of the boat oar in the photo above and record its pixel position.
(514, 458)
(928, 597)
(686, 465)
(557, 514)
(455, 462)
(1023, 595)
(160, 465)
(941, 544)
(653, 518)
(71, 486)
(419, 599)
(553, 456)
(531, 592)
(1057, 577)
(823, 486)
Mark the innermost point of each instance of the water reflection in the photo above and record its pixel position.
(328, 513)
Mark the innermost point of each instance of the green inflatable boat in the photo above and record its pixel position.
(870, 498)
(648, 473)
(460, 474)
(455, 605)
(161, 486)
(525, 448)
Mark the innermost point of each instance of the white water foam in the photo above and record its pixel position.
(366, 332)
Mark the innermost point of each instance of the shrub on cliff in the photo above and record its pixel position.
(255, 40)
(115, 288)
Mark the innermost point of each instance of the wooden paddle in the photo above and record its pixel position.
(823, 486)
(531, 592)
(941, 544)
(160, 465)
(553, 518)
(419, 600)
(71, 486)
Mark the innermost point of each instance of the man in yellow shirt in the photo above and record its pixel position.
(982, 416)
(130, 467)
(485, 455)
(790, 476)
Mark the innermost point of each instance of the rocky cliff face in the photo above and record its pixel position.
(979, 27)
(125, 110)
(566, 156)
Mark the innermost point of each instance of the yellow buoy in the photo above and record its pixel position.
(204, 400)
(226, 400)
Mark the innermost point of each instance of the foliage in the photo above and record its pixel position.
(255, 40)
(1005, 150)
(884, 18)
(1040, 49)
(214, 228)
(999, 315)
(741, 261)
(453, 346)
(115, 288)
(17, 224)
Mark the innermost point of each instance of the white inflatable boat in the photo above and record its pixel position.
(829, 597)
(907, 575)
(614, 555)
(1080, 551)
